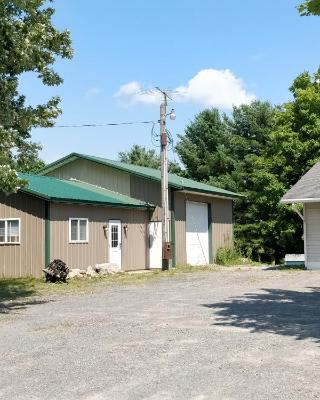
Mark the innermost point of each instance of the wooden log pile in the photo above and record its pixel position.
(56, 271)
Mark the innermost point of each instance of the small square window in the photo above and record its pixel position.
(78, 230)
(10, 231)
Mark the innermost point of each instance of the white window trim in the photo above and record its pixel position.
(87, 230)
(6, 231)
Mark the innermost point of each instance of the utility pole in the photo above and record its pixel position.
(166, 245)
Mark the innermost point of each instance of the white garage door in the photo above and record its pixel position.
(197, 233)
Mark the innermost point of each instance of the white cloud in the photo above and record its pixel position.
(215, 88)
(134, 92)
(93, 92)
(209, 87)
(129, 89)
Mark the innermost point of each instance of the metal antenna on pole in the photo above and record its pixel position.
(166, 244)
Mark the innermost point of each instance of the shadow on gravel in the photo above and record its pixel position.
(14, 295)
(286, 268)
(284, 312)
(12, 306)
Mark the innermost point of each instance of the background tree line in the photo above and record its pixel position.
(260, 150)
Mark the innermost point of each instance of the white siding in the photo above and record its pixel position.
(312, 235)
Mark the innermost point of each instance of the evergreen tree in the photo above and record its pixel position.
(139, 155)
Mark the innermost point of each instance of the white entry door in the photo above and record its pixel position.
(155, 245)
(197, 233)
(115, 242)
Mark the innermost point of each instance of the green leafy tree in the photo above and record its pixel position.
(309, 7)
(139, 155)
(292, 149)
(28, 43)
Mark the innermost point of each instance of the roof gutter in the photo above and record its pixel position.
(306, 200)
(213, 194)
(87, 202)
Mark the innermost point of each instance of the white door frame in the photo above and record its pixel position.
(115, 242)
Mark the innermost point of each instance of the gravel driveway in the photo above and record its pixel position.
(231, 334)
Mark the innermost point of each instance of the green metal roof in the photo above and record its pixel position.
(59, 190)
(175, 181)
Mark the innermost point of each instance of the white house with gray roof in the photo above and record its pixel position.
(307, 192)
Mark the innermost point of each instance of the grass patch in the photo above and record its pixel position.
(12, 289)
(21, 288)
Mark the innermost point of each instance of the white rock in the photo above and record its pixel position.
(107, 268)
(75, 272)
(91, 272)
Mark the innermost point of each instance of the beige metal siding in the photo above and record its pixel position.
(180, 216)
(96, 174)
(149, 191)
(312, 234)
(76, 255)
(222, 229)
(222, 226)
(26, 258)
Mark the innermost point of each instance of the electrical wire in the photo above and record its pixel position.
(155, 137)
(106, 124)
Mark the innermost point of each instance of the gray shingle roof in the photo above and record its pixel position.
(307, 189)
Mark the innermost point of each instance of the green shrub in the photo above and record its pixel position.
(229, 256)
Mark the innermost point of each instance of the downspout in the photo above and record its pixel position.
(47, 234)
(173, 230)
(294, 207)
(210, 233)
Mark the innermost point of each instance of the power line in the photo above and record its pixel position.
(106, 124)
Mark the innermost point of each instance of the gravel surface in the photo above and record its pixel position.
(231, 334)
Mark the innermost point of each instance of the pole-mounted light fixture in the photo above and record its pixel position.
(172, 114)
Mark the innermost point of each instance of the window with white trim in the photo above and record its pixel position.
(78, 230)
(10, 231)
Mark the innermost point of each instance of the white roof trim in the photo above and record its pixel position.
(307, 200)
(206, 194)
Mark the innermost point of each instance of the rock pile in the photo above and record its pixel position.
(93, 272)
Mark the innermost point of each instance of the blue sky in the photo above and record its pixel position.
(172, 44)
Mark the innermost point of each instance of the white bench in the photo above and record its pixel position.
(294, 259)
